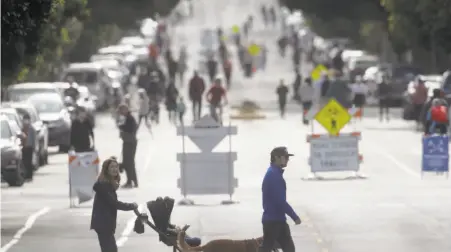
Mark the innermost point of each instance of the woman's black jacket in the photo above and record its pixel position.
(104, 211)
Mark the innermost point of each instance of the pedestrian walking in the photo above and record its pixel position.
(172, 94)
(196, 91)
(307, 93)
(282, 93)
(82, 133)
(181, 109)
(144, 109)
(419, 98)
(383, 93)
(106, 204)
(29, 143)
(275, 205)
(128, 128)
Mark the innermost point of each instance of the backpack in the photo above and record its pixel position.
(325, 88)
(439, 114)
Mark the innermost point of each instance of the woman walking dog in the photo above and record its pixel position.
(106, 204)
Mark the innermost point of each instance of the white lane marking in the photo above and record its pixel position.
(399, 164)
(28, 225)
(127, 230)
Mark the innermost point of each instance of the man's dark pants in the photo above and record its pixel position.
(107, 241)
(128, 161)
(282, 106)
(27, 160)
(276, 233)
(197, 108)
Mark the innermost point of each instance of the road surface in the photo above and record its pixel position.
(392, 210)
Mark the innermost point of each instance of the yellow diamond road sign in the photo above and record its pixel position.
(333, 117)
(317, 72)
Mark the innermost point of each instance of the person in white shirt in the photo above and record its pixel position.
(359, 91)
(144, 108)
(307, 93)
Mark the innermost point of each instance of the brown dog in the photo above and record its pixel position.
(222, 245)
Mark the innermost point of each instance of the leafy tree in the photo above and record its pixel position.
(36, 36)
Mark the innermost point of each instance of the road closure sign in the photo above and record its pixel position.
(328, 154)
(333, 117)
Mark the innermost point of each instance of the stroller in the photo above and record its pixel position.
(160, 211)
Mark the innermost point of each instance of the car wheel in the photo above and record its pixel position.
(63, 148)
(16, 178)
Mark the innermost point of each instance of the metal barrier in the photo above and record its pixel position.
(334, 151)
(83, 172)
(435, 156)
(207, 172)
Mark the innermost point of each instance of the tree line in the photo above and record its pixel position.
(40, 36)
(401, 31)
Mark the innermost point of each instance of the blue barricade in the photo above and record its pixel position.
(435, 154)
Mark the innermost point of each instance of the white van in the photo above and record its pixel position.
(94, 77)
(119, 50)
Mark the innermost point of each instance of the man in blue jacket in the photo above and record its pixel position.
(275, 205)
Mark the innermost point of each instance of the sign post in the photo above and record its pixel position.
(207, 172)
(83, 172)
(435, 156)
(334, 151)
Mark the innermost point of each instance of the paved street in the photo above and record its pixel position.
(392, 210)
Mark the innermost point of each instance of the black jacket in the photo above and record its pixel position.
(129, 128)
(79, 135)
(104, 210)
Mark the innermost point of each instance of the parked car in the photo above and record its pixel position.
(93, 76)
(22, 91)
(54, 114)
(135, 41)
(399, 78)
(21, 109)
(119, 50)
(358, 65)
(11, 150)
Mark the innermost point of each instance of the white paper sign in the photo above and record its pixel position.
(334, 154)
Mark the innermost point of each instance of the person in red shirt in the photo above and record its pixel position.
(214, 96)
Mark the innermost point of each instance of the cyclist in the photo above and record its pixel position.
(214, 96)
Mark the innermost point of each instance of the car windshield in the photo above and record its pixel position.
(6, 132)
(10, 116)
(47, 106)
(23, 94)
(22, 112)
(83, 77)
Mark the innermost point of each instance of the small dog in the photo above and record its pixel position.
(224, 245)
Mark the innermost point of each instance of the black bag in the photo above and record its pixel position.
(139, 226)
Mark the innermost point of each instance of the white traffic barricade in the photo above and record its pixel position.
(333, 151)
(83, 172)
(207, 172)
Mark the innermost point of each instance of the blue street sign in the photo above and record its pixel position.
(435, 154)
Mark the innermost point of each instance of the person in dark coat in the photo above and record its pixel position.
(81, 133)
(106, 204)
(196, 91)
(282, 92)
(128, 127)
(172, 94)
